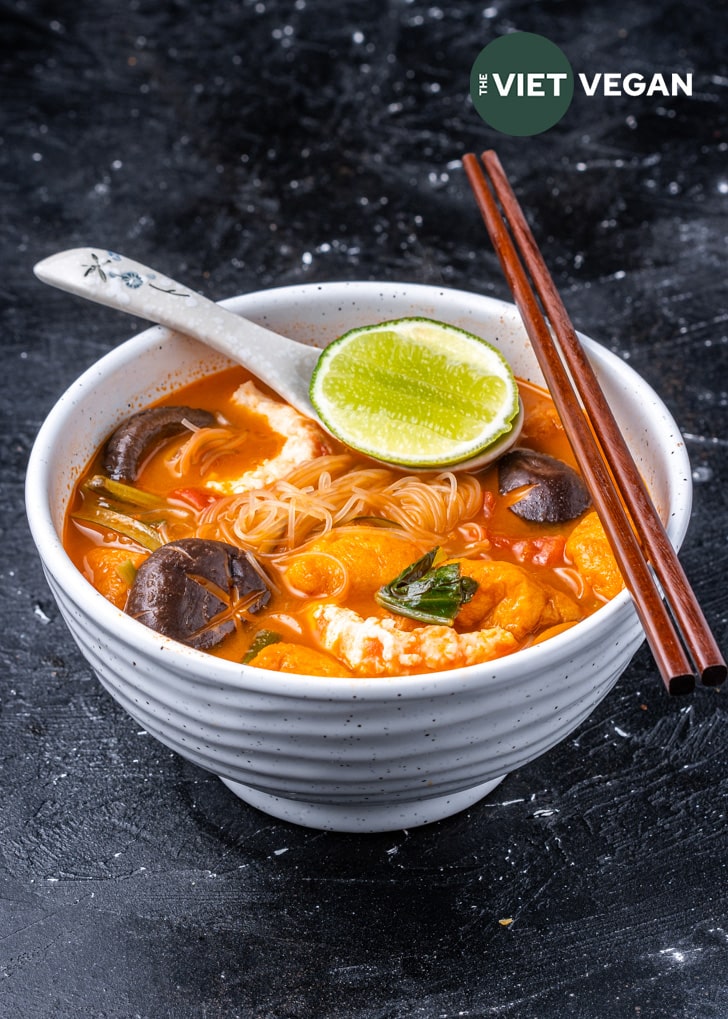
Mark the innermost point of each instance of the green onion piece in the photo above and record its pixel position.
(262, 639)
(127, 572)
(428, 593)
(123, 492)
(102, 516)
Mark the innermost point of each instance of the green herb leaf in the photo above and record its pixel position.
(428, 593)
(262, 639)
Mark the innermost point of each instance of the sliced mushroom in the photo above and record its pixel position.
(554, 492)
(135, 438)
(194, 590)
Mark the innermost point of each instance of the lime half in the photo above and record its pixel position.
(415, 392)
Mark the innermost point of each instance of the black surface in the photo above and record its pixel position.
(240, 145)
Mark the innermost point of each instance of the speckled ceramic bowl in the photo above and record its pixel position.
(348, 755)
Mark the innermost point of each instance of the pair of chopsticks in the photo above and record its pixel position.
(680, 639)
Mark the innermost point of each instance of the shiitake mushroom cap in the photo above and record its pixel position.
(555, 492)
(192, 589)
(127, 448)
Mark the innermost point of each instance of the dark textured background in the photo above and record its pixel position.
(239, 145)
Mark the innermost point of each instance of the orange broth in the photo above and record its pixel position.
(538, 548)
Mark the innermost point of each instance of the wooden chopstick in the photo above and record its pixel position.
(705, 652)
(605, 461)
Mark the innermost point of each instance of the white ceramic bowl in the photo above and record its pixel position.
(347, 755)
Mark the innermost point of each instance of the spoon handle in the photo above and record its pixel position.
(108, 278)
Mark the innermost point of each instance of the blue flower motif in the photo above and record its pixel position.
(129, 278)
(132, 279)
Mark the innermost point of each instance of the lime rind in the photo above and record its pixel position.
(415, 392)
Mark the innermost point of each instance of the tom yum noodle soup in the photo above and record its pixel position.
(223, 518)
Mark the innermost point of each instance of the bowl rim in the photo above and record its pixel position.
(205, 668)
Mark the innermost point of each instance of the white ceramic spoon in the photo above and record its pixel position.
(283, 364)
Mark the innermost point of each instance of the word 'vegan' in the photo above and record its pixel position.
(634, 84)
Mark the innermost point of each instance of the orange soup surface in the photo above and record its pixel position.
(323, 533)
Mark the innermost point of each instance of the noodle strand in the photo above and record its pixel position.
(325, 493)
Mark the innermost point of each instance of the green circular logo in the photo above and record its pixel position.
(521, 84)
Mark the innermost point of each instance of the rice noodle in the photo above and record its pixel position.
(475, 538)
(327, 491)
(205, 446)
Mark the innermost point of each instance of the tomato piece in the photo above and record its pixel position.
(198, 498)
(488, 504)
(548, 550)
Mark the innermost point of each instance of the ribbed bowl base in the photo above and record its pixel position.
(365, 816)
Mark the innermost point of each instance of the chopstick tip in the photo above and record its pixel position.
(680, 685)
(714, 675)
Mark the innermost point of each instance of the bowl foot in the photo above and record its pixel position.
(366, 816)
